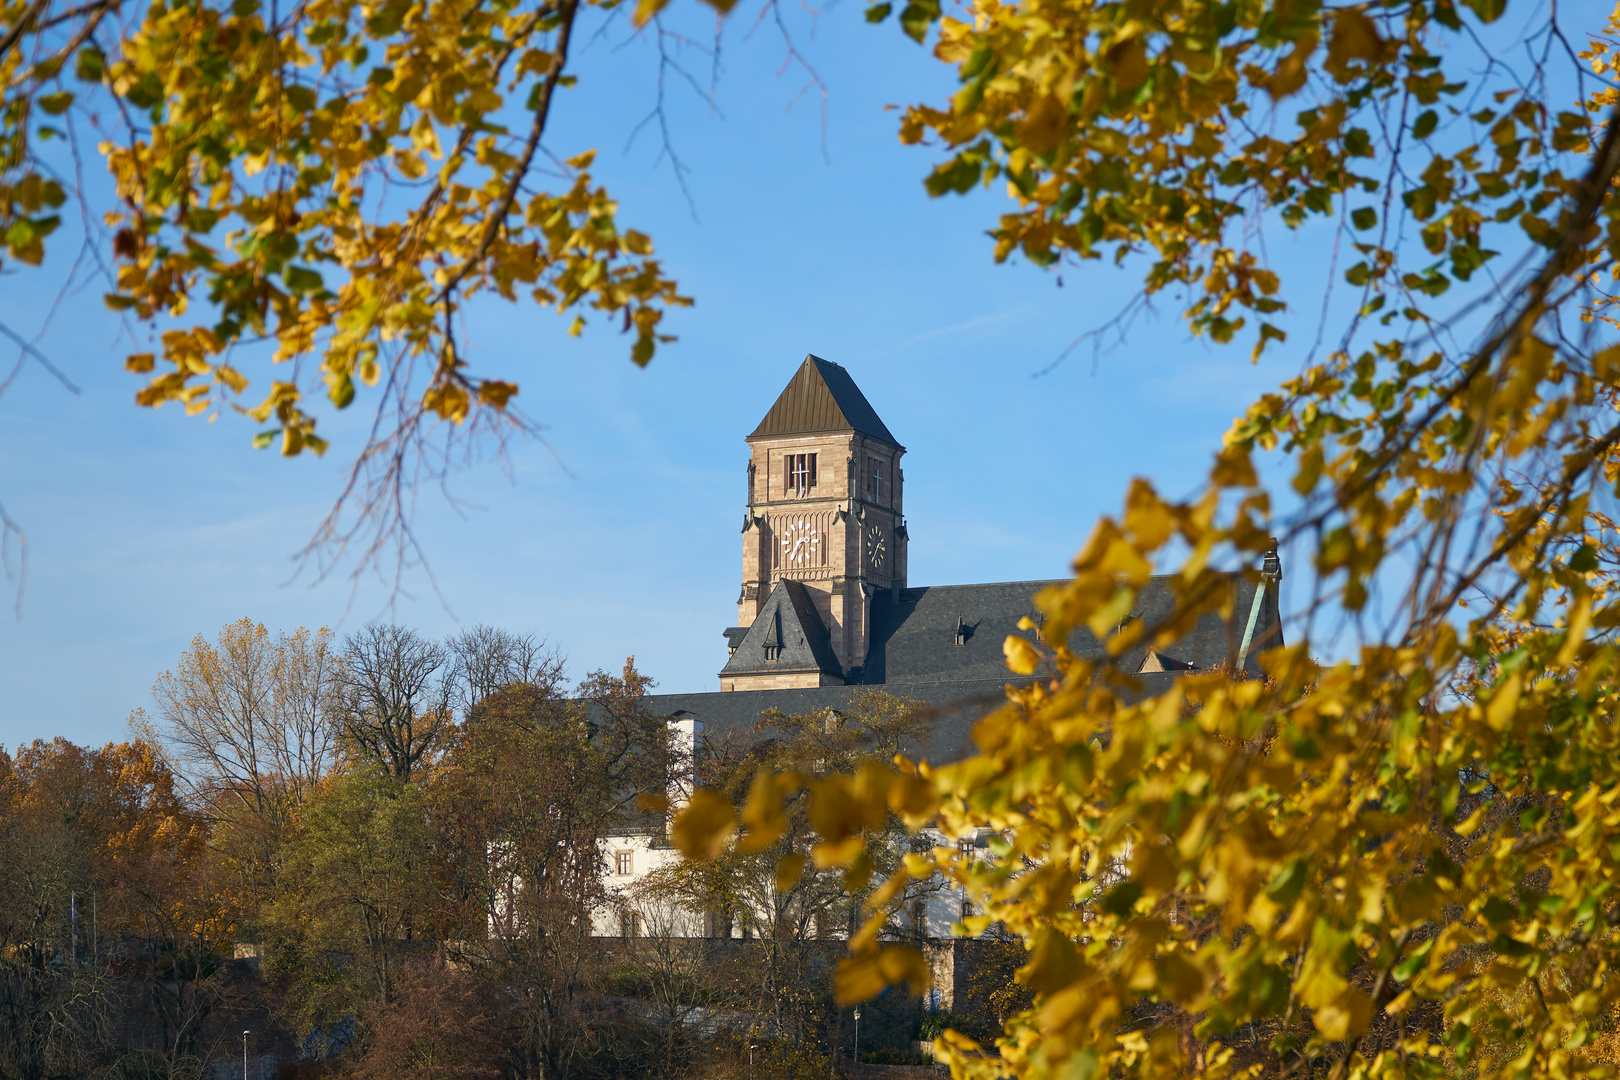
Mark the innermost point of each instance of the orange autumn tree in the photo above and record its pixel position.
(98, 851)
(1402, 863)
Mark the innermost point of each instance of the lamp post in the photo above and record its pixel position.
(751, 1048)
(857, 1064)
(245, 1034)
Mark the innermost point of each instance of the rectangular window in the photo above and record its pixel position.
(773, 653)
(801, 473)
(919, 920)
(630, 924)
(965, 847)
(625, 863)
(874, 479)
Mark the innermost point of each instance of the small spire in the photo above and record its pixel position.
(1272, 567)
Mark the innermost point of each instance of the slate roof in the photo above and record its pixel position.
(953, 707)
(790, 623)
(822, 397)
(914, 636)
(914, 654)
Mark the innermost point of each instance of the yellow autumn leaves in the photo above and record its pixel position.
(341, 181)
(317, 266)
(1401, 864)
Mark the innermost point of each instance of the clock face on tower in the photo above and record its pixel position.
(875, 548)
(799, 543)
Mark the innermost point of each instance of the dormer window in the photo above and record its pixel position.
(801, 473)
(773, 638)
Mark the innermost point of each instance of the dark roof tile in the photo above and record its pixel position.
(914, 637)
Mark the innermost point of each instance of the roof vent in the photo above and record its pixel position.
(963, 632)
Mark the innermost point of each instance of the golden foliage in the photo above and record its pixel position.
(1400, 865)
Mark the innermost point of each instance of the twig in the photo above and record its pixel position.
(41, 358)
(542, 109)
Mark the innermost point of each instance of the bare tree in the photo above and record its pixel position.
(394, 696)
(673, 969)
(306, 688)
(486, 659)
(249, 720)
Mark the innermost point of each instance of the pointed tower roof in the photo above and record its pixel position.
(822, 397)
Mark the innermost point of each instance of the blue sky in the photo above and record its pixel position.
(620, 535)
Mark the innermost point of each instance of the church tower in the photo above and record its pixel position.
(823, 535)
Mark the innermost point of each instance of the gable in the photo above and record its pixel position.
(789, 624)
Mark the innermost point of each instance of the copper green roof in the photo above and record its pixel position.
(822, 397)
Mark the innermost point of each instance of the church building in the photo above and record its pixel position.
(825, 605)
(826, 610)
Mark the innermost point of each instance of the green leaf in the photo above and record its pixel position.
(1364, 218)
(1425, 124)
(917, 17)
(982, 58)
(958, 175)
(90, 64)
(1289, 882)
(263, 439)
(57, 103)
(301, 280)
(1412, 965)
(1487, 10)
(1420, 201)
(1503, 945)
(878, 12)
(1466, 258)
(642, 352)
(1121, 899)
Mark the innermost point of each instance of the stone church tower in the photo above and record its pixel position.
(824, 534)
